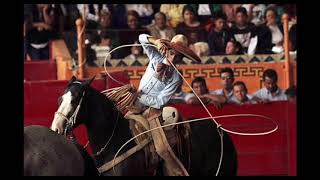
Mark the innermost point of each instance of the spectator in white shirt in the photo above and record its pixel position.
(227, 79)
(200, 87)
(271, 91)
(240, 94)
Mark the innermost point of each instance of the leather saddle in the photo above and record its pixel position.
(178, 136)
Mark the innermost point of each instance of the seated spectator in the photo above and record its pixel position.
(233, 48)
(201, 49)
(200, 87)
(160, 29)
(136, 52)
(132, 32)
(173, 13)
(291, 94)
(240, 94)
(191, 27)
(219, 35)
(245, 32)
(39, 31)
(227, 79)
(145, 12)
(275, 29)
(271, 91)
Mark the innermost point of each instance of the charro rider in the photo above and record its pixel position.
(157, 85)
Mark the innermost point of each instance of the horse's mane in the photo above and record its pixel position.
(115, 117)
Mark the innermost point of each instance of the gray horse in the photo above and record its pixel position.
(47, 153)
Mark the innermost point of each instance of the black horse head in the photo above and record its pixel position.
(70, 103)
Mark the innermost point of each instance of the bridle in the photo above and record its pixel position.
(72, 120)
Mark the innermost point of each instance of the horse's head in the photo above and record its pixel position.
(69, 105)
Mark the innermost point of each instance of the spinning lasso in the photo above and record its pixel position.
(219, 127)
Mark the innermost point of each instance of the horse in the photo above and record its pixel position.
(47, 153)
(108, 130)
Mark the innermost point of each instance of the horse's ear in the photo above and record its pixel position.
(72, 79)
(88, 82)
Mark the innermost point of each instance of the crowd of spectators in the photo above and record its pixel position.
(235, 92)
(211, 29)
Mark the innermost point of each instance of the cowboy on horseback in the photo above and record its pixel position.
(157, 85)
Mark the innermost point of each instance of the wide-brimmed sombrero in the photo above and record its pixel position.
(180, 43)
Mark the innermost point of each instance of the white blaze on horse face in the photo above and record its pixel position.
(65, 107)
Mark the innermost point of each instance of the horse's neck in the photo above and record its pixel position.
(102, 119)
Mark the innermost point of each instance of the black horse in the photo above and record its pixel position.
(104, 122)
(47, 153)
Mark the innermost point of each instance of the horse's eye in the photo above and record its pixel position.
(74, 100)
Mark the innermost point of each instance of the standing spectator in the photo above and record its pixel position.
(245, 32)
(160, 29)
(275, 29)
(240, 94)
(191, 27)
(219, 35)
(271, 91)
(173, 13)
(227, 79)
(233, 48)
(39, 33)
